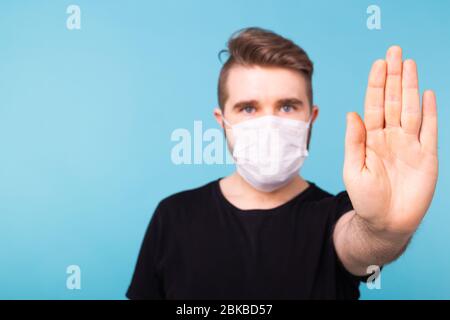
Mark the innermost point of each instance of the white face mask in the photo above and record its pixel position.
(269, 151)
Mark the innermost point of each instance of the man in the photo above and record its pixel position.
(265, 232)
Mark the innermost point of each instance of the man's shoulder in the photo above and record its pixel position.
(337, 203)
(189, 197)
(318, 193)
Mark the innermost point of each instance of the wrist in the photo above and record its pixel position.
(383, 231)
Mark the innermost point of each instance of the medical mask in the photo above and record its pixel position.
(269, 150)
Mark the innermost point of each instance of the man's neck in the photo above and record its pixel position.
(244, 196)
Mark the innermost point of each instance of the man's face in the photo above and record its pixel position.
(259, 91)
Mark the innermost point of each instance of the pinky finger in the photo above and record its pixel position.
(428, 131)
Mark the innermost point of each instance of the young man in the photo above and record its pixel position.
(265, 232)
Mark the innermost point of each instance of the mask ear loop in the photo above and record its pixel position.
(309, 121)
(308, 127)
(226, 122)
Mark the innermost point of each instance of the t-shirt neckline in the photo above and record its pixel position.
(270, 211)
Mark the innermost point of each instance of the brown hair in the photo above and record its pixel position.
(256, 46)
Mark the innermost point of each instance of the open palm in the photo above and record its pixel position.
(391, 164)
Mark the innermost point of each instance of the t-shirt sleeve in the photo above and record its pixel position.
(344, 205)
(146, 281)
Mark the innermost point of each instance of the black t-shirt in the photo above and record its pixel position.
(200, 246)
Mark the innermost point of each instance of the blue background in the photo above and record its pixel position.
(86, 118)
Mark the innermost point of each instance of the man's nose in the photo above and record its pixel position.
(268, 111)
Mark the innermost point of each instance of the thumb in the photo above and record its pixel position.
(355, 143)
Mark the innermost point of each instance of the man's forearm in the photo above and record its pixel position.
(359, 246)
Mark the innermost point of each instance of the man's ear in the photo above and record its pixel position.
(218, 116)
(314, 113)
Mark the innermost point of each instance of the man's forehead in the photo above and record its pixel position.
(264, 83)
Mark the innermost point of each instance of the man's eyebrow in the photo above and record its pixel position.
(290, 101)
(242, 104)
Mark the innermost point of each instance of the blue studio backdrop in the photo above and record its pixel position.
(88, 109)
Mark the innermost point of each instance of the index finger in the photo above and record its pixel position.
(374, 103)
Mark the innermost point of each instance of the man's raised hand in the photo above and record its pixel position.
(391, 164)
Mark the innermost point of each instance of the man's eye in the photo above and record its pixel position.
(287, 108)
(248, 109)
